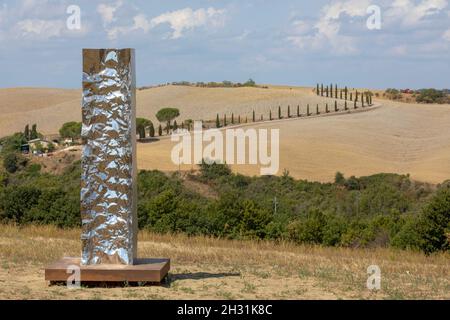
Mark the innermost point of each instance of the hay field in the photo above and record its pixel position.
(396, 137)
(206, 268)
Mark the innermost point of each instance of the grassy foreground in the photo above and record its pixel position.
(207, 268)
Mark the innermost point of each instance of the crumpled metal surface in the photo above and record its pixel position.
(108, 181)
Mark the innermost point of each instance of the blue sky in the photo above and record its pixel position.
(278, 42)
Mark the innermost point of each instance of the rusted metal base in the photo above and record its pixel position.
(144, 270)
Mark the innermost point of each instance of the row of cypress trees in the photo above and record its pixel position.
(343, 94)
(224, 121)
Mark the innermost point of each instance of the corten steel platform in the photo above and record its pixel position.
(144, 270)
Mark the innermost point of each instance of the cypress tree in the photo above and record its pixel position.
(368, 99)
(317, 109)
(289, 111)
(26, 132)
(345, 105)
(182, 125)
(175, 125)
(159, 130)
(33, 134)
(279, 112)
(362, 99)
(239, 118)
(254, 119)
(326, 90)
(217, 121)
(224, 120)
(298, 110)
(351, 96)
(317, 90)
(356, 97)
(307, 110)
(345, 92)
(336, 109)
(326, 108)
(340, 94)
(331, 90)
(232, 118)
(246, 119)
(321, 89)
(335, 91)
(355, 106)
(151, 130)
(270, 115)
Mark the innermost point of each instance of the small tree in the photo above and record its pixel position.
(351, 96)
(160, 130)
(307, 110)
(34, 133)
(10, 162)
(317, 89)
(279, 112)
(362, 99)
(345, 105)
(26, 132)
(224, 120)
(336, 109)
(70, 130)
(298, 110)
(253, 116)
(317, 109)
(167, 115)
(270, 115)
(175, 125)
(151, 130)
(217, 121)
(356, 95)
(141, 126)
(232, 118)
(326, 108)
(354, 105)
(289, 111)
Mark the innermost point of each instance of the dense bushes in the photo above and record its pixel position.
(379, 210)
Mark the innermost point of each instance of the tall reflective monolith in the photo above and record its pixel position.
(108, 181)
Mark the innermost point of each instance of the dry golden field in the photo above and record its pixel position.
(206, 268)
(395, 137)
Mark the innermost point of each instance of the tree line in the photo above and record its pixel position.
(384, 210)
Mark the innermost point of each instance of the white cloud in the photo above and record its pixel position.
(327, 28)
(140, 22)
(179, 21)
(188, 19)
(43, 29)
(411, 14)
(107, 11)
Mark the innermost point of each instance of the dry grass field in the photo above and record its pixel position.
(396, 137)
(205, 268)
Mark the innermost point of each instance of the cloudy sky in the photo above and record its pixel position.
(295, 42)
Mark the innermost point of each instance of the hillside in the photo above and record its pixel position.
(396, 137)
(206, 268)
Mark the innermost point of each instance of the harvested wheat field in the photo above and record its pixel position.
(206, 268)
(392, 137)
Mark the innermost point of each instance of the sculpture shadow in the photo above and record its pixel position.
(148, 140)
(196, 276)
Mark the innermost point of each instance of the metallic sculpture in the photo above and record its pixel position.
(108, 182)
